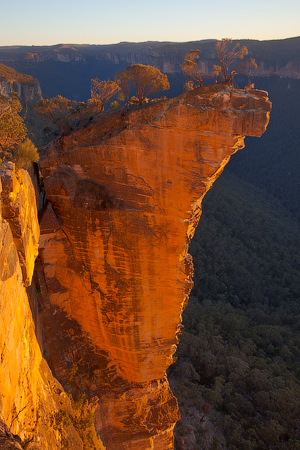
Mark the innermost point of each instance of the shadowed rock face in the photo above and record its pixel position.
(7, 440)
(125, 199)
(27, 91)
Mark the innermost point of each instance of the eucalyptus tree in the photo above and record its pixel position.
(145, 80)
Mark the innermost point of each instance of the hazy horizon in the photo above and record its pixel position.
(79, 44)
(37, 23)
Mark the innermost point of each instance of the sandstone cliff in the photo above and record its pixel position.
(33, 405)
(28, 88)
(115, 274)
(27, 92)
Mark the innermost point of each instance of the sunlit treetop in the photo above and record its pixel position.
(102, 92)
(228, 56)
(190, 69)
(146, 80)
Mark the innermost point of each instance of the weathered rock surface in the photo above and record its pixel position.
(7, 440)
(125, 199)
(19, 210)
(27, 92)
(33, 405)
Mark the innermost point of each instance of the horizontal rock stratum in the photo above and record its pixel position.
(124, 199)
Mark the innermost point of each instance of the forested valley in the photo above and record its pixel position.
(237, 376)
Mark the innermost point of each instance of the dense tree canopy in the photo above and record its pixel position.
(239, 351)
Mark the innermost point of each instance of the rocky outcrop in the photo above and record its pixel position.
(27, 92)
(125, 197)
(19, 210)
(62, 53)
(27, 88)
(36, 411)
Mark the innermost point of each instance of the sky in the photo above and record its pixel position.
(39, 22)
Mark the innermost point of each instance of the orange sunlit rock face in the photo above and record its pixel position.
(30, 397)
(126, 195)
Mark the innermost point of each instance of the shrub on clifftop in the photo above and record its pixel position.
(57, 110)
(190, 69)
(146, 80)
(25, 154)
(228, 56)
(101, 93)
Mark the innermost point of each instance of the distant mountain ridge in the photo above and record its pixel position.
(276, 52)
(78, 63)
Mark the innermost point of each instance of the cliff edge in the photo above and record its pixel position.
(35, 411)
(28, 88)
(124, 200)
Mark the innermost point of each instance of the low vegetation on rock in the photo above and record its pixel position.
(25, 154)
(231, 59)
(231, 62)
(136, 85)
(14, 145)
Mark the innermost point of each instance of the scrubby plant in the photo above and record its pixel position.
(83, 417)
(114, 105)
(102, 92)
(228, 56)
(25, 154)
(190, 69)
(12, 127)
(58, 110)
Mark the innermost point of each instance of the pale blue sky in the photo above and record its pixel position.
(39, 22)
